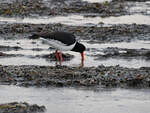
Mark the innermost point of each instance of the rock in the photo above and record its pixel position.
(21, 107)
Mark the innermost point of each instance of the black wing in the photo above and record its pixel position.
(63, 37)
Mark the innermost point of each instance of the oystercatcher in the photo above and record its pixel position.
(62, 41)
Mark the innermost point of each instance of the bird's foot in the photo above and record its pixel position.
(82, 64)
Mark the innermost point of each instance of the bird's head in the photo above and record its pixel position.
(79, 48)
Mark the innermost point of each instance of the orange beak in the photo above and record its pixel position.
(82, 56)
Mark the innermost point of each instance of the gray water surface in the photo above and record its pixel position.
(72, 100)
(97, 1)
(139, 7)
(80, 20)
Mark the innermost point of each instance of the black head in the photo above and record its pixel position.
(79, 48)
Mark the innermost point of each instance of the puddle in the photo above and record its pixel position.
(71, 100)
(128, 19)
(29, 55)
(139, 7)
(24, 61)
(130, 63)
(79, 20)
(97, 1)
(89, 61)
(139, 44)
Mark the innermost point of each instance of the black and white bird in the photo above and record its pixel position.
(62, 41)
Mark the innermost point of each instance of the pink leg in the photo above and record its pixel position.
(57, 57)
(61, 58)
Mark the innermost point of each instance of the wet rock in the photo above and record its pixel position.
(22, 7)
(37, 49)
(2, 54)
(7, 55)
(9, 48)
(21, 107)
(25, 8)
(115, 33)
(103, 9)
(53, 7)
(64, 76)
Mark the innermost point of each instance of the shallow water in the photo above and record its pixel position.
(97, 1)
(139, 7)
(72, 100)
(29, 55)
(80, 20)
(89, 61)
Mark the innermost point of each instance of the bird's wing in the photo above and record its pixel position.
(63, 37)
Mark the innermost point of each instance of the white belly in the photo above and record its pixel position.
(58, 45)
